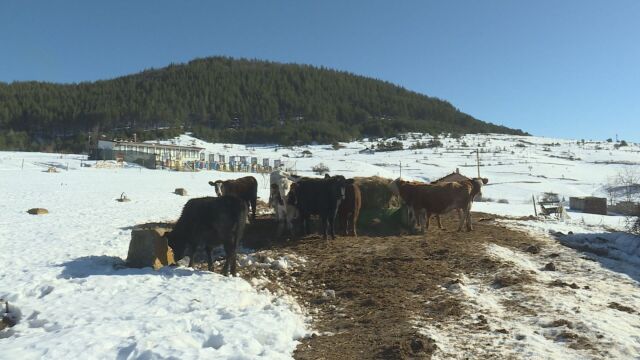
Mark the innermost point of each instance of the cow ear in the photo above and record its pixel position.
(326, 176)
(212, 183)
(349, 181)
(485, 180)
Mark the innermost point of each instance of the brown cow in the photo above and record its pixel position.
(349, 209)
(414, 218)
(246, 188)
(440, 198)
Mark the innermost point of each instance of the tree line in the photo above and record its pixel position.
(224, 100)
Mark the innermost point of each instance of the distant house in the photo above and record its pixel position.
(367, 151)
(454, 176)
(172, 156)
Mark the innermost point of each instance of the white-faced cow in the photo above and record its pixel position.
(278, 191)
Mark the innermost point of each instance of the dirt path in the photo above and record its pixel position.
(366, 294)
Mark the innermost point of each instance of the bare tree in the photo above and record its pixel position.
(624, 186)
(628, 181)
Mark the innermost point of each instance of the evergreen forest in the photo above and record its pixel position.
(223, 100)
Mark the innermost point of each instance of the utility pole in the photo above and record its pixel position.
(478, 161)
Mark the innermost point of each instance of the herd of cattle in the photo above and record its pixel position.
(211, 221)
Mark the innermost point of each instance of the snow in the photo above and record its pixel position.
(64, 273)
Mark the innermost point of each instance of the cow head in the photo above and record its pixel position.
(218, 186)
(338, 185)
(175, 244)
(291, 196)
(477, 186)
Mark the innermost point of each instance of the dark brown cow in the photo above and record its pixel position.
(440, 198)
(349, 209)
(245, 188)
(320, 197)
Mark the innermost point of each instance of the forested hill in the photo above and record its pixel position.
(222, 99)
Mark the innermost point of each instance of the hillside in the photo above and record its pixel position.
(223, 99)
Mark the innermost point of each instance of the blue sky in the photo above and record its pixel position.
(556, 68)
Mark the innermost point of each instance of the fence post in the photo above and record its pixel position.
(535, 210)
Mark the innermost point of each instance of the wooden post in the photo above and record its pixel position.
(478, 161)
(22, 167)
(400, 169)
(535, 210)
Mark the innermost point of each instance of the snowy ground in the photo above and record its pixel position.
(58, 273)
(58, 269)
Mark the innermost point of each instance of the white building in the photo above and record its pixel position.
(167, 155)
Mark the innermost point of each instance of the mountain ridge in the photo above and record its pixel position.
(223, 99)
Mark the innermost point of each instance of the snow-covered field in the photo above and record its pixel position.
(58, 270)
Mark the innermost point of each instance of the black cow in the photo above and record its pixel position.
(208, 222)
(320, 197)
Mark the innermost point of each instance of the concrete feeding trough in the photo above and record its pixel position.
(589, 204)
(148, 247)
(38, 211)
(180, 191)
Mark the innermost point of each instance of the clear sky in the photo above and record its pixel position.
(555, 68)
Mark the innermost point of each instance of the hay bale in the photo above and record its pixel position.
(148, 247)
(38, 211)
(180, 191)
(376, 194)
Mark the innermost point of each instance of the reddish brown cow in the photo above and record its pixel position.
(349, 210)
(246, 188)
(440, 198)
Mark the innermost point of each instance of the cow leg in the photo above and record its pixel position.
(463, 218)
(307, 225)
(440, 223)
(208, 249)
(332, 227)
(230, 247)
(344, 224)
(427, 220)
(325, 231)
(352, 224)
(468, 213)
(253, 208)
(411, 217)
(191, 251)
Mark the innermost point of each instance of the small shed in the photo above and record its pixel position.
(589, 204)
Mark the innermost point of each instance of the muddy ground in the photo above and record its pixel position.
(365, 293)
